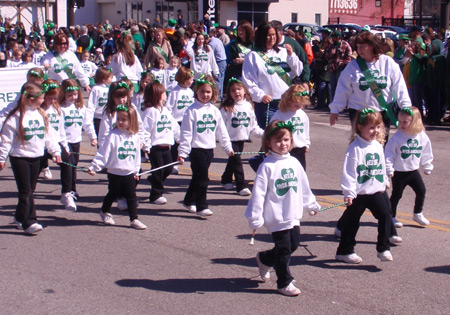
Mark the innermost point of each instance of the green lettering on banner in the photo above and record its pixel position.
(8, 97)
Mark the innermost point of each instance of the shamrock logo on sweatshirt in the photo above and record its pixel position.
(74, 117)
(275, 62)
(208, 122)
(298, 125)
(164, 123)
(371, 169)
(381, 81)
(102, 100)
(184, 102)
(202, 56)
(128, 150)
(411, 148)
(33, 129)
(241, 119)
(287, 181)
(53, 119)
(60, 68)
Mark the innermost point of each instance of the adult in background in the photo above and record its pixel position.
(220, 34)
(338, 55)
(125, 63)
(221, 59)
(63, 64)
(159, 47)
(72, 43)
(353, 90)
(240, 48)
(84, 42)
(268, 71)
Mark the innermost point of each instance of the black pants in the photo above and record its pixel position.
(300, 155)
(234, 166)
(286, 242)
(97, 122)
(380, 207)
(123, 186)
(159, 156)
(75, 158)
(196, 194)
(66, 170)
(399, 183)
(26, 172)
(262, 116)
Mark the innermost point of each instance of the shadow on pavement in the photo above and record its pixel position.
(439, 269)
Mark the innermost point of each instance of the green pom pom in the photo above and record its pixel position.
(52, 25)
(50, 33)
(45, 26)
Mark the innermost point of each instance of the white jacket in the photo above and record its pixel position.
(280, 193)
(121, 154)
(241, 122)
(364, 170)
(36, 138)
(301, 124)
(406, 153)
(261, 79)
(202, 123)
(179, 100)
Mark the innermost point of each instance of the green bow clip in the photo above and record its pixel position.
(35, 73)
(202, 80)
(121, 85)
(407, 110)
(303, 93)
(72, 88)
(364, 114)
(48, 86)
(234, 80)
(289, 126)
(121, 108)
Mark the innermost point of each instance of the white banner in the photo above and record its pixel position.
(11, 81)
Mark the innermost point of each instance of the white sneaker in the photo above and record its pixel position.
(67, 199)
(228, 186)
(420, 218)
(245, 192)
(47, 173)
(191, 208)
(337, 232)
(122, 204)
(395, 239)
(107, 218)
(138, 225)
(34, 228)
(17, 223)
(160, 201)
(204, 213)
(385, 256)
(349, 259)
(290, 290)
(175, 170)
(397, 223)
(264, 271)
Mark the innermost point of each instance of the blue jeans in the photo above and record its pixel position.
(261, 112)
(323, 93)
(334, 78)
(222, 68)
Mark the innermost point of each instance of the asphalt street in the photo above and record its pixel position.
(184, 264)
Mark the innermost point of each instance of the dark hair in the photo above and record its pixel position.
(205, 44)
(228, 103)
(145, 75)
(152, 94)
(102, 74)
(270, 133)
(370, 39)
(248, 30)
(115, 91)
(261, 36)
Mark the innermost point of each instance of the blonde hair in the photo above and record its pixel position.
(273, 130)
(416, 124)
(296, 94)
(364, 119)
(134, 122)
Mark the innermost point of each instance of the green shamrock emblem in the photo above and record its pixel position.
(286, 182)
(372, 169)
(381, 81)
(172, 77)
(184, 102)
(128, 150)
(298, 125)
(53, 119)
(208, 122)
(164, 123)
(202, 56)
(33, 129)
(102, 100)
(74, 117)
(241, 119)
(411, 148)
(59, 68)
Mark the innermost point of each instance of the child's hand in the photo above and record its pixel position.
(333, 119)
(307, 150)
(88, 88)
(94, 142)
(136, 178)
(181, 160)
(2, 166)
(91, 172)
(349, 201)
(289, 49)
(231, 154)
(57, 159)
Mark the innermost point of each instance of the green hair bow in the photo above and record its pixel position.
(282, 125)
(121, 108)
(234, 80)
(121, 85)
(303, 93)
(202, 80)
(364, 114)
(72, 88)
(407, 110)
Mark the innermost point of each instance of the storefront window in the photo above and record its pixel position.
(254, 12)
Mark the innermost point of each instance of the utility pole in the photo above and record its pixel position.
(444, 14)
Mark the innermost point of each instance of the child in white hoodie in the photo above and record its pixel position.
(280, 193)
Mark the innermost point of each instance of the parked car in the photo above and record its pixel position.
(396, 29)
(313, 29)
(345, 29)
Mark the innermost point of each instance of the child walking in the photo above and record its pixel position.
(158, 71)
(171, 72)
(76, 119)
(120, 156)
(280, 194)
(56, 120)
(99, 95)
(202, 123)
(291, 106)
(407, 151)
(364, 184)
(25, 135)
(239, 117)
(138, 97)
(162, 129)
